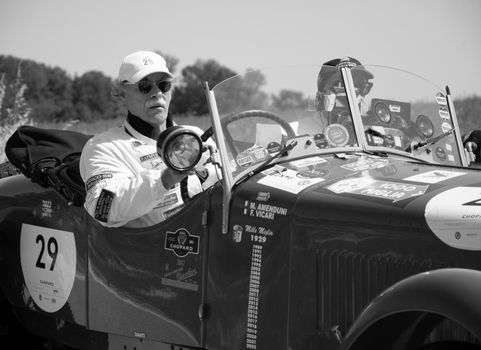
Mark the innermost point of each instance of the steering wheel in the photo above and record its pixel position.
(248, 114)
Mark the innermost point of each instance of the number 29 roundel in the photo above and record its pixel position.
(49, 260)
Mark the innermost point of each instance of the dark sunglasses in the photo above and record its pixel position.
(146, 86)
(362, 86)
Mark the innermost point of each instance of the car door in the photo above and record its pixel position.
(147, 283)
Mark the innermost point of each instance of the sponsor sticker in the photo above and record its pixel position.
(171, 212)
(259, 154)
(245, 160)
(387, 190)
(303, 163)
(337, 135)
(263, 196)
(169, 199)
(49, 259)
(320, 141)
(454, 216)
(444, 113)
(395, 108)
(46, 208)
(182, 243)
(149, 157)
(445, 127)
(237, 231)
(181, 276)
(366, 164)
(96, 179)
(287, 180)
(440, 153)
(441, 99)
(273, 147)
(434, 176)
(312, 173)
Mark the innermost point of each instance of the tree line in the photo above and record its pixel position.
(54, 96)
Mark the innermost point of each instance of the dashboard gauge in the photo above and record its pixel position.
(425, 125)
(382, 112)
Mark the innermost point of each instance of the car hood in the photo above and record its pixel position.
(361, 189)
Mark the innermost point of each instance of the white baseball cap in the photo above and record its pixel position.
(139, 64)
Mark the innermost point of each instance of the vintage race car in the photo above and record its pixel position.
(364, 233)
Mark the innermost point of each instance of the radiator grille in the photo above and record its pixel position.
(348, 281)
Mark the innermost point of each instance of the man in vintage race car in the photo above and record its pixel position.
(331, 101)
(332, 105)
(127, 182)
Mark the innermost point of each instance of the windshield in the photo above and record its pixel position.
(316, 110)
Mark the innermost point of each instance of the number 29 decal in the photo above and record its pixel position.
(49, 261)
(52, 248)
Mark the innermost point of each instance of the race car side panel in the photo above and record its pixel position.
(148, 282)
(44, 245)
(247, 290)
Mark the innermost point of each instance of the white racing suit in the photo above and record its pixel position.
(122, 173)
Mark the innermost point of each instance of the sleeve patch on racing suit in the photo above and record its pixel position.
(92, 181)
(104, 203)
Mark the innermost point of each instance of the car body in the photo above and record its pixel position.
(364, 235)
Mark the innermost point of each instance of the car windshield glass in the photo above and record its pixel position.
(394, 112)
(406, 113)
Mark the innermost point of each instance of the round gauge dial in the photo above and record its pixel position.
(382, 112)
(425, 125)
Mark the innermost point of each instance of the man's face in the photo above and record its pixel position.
(150, 103)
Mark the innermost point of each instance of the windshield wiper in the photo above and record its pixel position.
(282, 152)
(428, 142)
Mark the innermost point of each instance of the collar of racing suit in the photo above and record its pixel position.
(143, 127)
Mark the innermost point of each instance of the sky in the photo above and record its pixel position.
(437, 39)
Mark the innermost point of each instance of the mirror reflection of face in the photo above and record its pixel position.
(183, 151)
